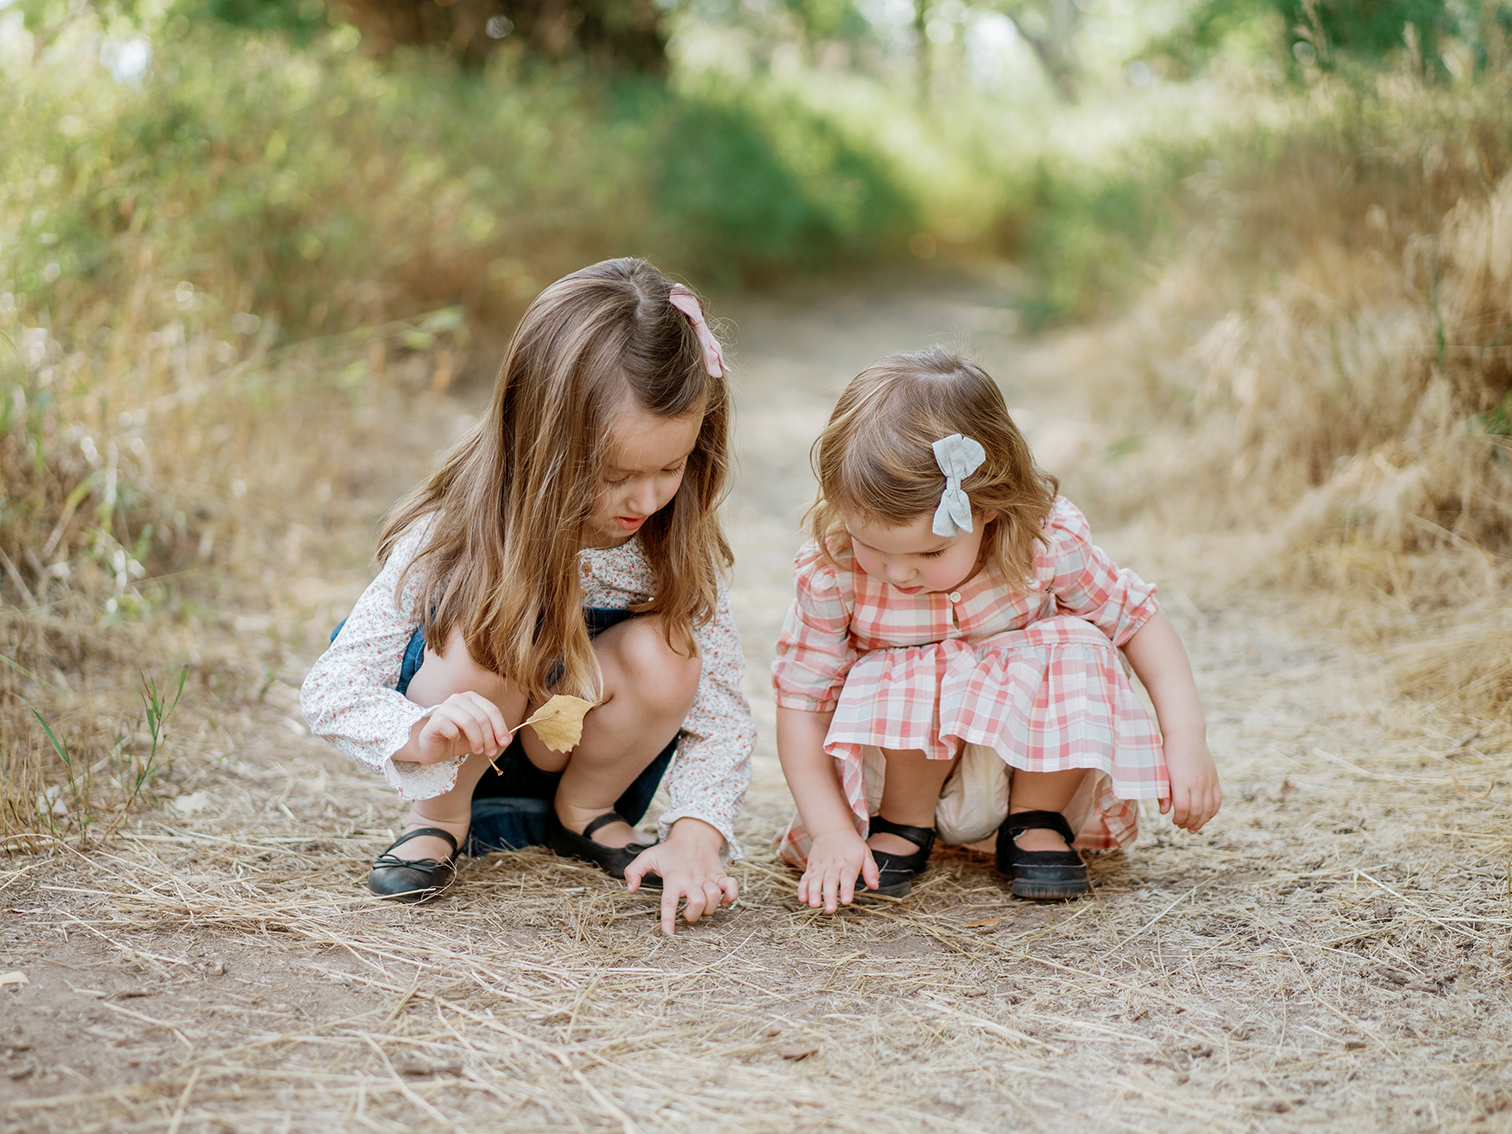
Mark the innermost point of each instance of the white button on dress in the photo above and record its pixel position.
(954, 596)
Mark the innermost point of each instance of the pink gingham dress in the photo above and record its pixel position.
(1031, 672)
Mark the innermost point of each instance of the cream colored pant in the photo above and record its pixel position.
(974, 801)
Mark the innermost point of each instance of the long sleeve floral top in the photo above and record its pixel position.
(349, 696)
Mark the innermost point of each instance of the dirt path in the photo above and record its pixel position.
(1332, 954)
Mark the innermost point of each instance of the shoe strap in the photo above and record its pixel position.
(386, 861)
(439, 832)
(603, 821)
(921, 837)
(1021, 821)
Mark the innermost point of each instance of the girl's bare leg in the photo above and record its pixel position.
(1043, 791)
(910, 793)
(441, 675)
(647, 692)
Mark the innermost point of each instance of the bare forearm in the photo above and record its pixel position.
(1160, 660)
(810, 771)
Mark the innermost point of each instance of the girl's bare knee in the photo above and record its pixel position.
(453, 670)
(655, 674)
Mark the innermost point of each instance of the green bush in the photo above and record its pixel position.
(761, 187)
(320, 190)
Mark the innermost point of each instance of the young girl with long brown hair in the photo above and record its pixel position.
(951, 664)
(568, 544)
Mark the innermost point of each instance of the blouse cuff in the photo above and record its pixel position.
(413, 780)
(729, 853)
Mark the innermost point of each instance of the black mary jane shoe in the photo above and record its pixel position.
(896, 872)
(611, 860)
(413, 879)
(1041, 875)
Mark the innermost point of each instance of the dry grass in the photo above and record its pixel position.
(1329, 367)
(149, 502)
(1332, 958)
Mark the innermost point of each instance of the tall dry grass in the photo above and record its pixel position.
(179, 405)
(1329, 363)
(150, 495)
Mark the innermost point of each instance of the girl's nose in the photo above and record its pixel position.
(898, 573)
(643, 499)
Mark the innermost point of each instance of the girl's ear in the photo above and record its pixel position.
(989, 515)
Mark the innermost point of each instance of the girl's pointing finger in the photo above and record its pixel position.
(670, 896)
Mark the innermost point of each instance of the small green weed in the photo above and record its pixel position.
(85, 807)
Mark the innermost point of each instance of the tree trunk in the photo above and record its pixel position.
(623, 34)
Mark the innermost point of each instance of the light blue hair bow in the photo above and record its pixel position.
(958, 457)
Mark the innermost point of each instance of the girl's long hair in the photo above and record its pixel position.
(510, 499)
(875, 457)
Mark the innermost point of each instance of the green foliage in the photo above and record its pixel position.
(84, 799)
(301, 19)
(1247, 29)
(320, 191)
(762, 185)
(1089, 230)
(1305, 34)
(156, 709)
(828, 19)
(77, 777)
(1371, 29)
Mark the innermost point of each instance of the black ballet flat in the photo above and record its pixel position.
(413, 879)
(896, 872)
(1045, 876)
(611, 860)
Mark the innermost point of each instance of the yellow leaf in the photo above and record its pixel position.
(13, 978)
(559, 722)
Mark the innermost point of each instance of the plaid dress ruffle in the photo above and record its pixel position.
(1032, 673)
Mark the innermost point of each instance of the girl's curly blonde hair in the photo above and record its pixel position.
(875, 459)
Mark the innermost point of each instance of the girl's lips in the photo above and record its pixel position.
(629, 523)
(907, 590)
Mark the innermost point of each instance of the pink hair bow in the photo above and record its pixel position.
(686, 302)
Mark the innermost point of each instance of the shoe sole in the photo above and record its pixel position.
(1049, 891)
(611, 860)
(896, 890)
(412, 897)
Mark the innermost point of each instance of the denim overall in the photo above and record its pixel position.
(511, 804)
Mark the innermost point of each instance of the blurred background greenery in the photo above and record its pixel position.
(223, 223)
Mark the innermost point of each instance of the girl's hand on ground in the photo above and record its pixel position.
(834, 860)
(1195, 795)
(691, 870)
(463, 723)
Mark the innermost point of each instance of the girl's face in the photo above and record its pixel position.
(911, 557)
(643, 468)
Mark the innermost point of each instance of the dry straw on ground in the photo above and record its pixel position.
(1337, 958)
